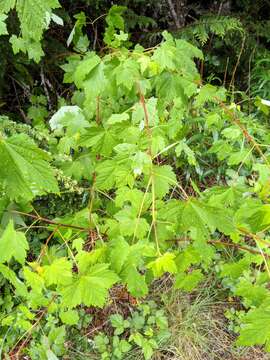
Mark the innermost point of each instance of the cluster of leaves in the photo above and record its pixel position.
(34, 18)
(146, 328)
(140, 123)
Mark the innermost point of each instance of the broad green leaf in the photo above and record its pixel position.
(205, 219)
(32, 16)
(100, 140)
(183, 147)
(84, 68)
(252, 294)
(118, 252)
(139, 200)
(136, 283)
(131, 224)
(208, 92)
(164, 263)
(69, 117)
(33, 280)
(10, 275)
(164, 56)
(234, 270)
(117, 118)
(188, 281)
(127, 73)
(90, 289)
(69, 317)
(163, 178)
(3, 26)
(86, 260)
(13, 244)
(256, 327)
(25, 170)
(59, 272)
(7, 5)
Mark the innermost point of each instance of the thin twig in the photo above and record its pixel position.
(246, 134)
(232, 245)
(237, 63)
(48, 221)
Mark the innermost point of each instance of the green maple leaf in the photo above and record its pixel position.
(25, 170)
(69, 317)
(32, 15)
(205, 219)
(221, 196)
(234, 270)
(113, 172)
(188, 281)
(59, 272)
(164, 56)
(95, 83)
(90, 289)
(13, 244)
(135, 281)
(7, 5)
(118, 246)
(125, 261)
(71, 118)
(139, 200)
(10, 275)
(207, 92)
(34, 280)
(256, 327)
(130, 223)
(127, 73)
(99, 140)
(163, 178)
(117, 118)
(164, 263)
(253, 294)
(90, 61)
(3, 26)
(86, 260)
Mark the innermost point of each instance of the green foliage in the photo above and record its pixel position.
(34, 18)
(215, 25)
(13, 245)
(26, 172)
(146, 328)
(139, 124)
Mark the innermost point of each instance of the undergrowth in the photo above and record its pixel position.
(168, 177)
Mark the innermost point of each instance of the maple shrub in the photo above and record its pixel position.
(139, 124)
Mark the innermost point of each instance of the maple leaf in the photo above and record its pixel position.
(130, 223)
(163, 178)
(125, 261)
(33, 16)
(100, 140)
(89, 62)
(205, 219)
(135, 281)
(162, 264)
(188, 281)
(3, 26)
(10, 275)
(59, 272)
(70, 117)
(13, 244)
(256, 327)
(90, 289)
(25, 170)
